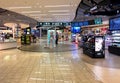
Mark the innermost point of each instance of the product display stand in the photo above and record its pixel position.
(115, 47)
(26, 37)
(94, 47)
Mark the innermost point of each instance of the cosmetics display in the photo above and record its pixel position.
(94, 47)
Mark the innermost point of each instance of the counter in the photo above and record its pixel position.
(8, 45)
(114, 50)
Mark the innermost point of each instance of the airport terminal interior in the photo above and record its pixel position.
(59, 41)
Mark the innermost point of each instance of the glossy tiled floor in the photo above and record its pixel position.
(56, 67)
(108, 69)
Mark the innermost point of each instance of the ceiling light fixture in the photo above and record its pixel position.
(25, 7)
(61, 14)
(31, 12)
(57, 5)
(36, 17)
(38, 14)
(58, 11)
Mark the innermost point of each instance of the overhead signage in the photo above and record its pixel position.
(98, 20)
(53, 24)
(79, 24)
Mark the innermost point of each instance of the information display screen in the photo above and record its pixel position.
(98, 44)
(75, 30)
(114, 23)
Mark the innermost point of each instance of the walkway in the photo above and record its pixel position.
(44, 67)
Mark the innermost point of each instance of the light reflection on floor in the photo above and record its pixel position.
(58, 67)
(30, 67)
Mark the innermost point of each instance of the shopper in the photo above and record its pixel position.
(57, 37)
(51, 43)
(62, 38)
(34, 38)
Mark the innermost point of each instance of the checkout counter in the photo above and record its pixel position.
(7, 44)
(114, 50)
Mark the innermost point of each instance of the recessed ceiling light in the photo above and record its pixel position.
(58, 11)
(57, 5)
(25, 7)
(31, 12)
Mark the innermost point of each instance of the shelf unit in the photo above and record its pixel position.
(116, 39)
(115, 47)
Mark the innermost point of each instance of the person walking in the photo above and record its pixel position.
(57, 37)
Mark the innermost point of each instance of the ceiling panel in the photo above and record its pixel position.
(37, 9)
(8, 17)
(98, 1)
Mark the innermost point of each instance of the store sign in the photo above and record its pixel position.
(53, 24)
(98, 20)
(95, 21)
(79, 24)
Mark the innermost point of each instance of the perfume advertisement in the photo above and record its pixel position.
(98, 44)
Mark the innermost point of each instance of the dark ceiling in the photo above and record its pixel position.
(98, 8)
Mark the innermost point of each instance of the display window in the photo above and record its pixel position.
(98, 44)
(6, 36)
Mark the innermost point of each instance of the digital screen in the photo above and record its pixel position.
(98, 20)
(98, 44)
(114, 24)
(75, 29)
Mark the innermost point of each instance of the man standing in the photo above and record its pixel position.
(57, 37)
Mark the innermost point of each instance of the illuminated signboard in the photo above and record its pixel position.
(53, 24)
(98, 20)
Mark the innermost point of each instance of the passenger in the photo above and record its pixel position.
(57, 38)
